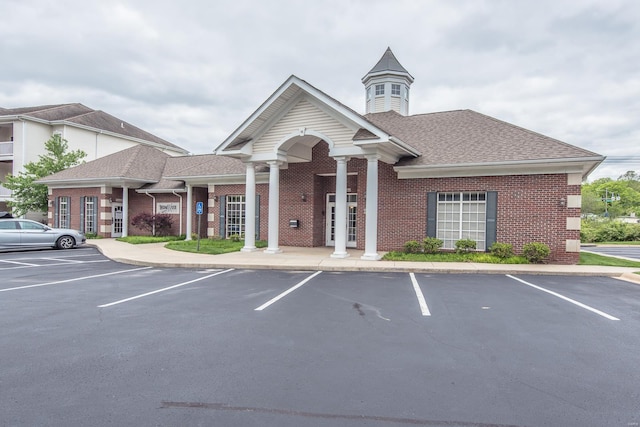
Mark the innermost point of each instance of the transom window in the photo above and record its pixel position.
(235, 218)
(379, 89)
(462, 216)
(395, 90)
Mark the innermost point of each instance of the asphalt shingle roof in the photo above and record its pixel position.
(468, 137)
(82, 115)
(140, 162)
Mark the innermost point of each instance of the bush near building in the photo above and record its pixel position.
(595, 231)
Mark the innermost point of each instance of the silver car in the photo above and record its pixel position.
(23, 233)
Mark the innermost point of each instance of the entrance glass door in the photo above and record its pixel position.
(352, 209)
(116, 227)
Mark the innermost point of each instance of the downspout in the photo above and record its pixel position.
(180, 197)
(153, 209)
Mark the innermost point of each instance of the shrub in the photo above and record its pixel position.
(501, 250)
(431, 245)
(535, 252)
(464, 246)
(161, 223)
(412, 247)
(608, 231)
(91, 235)
(235, 237)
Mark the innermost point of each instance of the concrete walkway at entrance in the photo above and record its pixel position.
(296, 258)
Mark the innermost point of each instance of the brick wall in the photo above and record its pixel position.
(138, 203)
(528, 205)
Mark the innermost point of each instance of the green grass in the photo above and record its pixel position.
(479, 257)
(593, 259)
(211, 246)
(137, 240)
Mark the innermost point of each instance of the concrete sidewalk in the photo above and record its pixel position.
(155, 254)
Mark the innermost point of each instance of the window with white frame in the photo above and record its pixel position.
(90, 216)
(235, 217)
(462, 216)
(395, 90)
(379, 90)
(64, 215)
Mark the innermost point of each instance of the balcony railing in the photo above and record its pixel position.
(6, 148)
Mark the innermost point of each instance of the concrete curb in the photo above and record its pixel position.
(155, 255)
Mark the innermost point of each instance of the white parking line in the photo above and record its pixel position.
(423, 304)
(163, 289)
(72, 280)
(579, 304)
(19, 263)
(71, 261)
(287, 292)
(50, 265)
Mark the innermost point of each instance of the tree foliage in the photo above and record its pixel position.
(627, 187)
(29, 196)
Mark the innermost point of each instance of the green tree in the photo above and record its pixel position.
(29, 196)
(624, 188)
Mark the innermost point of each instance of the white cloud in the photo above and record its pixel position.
(191, 72)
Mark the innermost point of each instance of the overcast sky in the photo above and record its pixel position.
(192, 71)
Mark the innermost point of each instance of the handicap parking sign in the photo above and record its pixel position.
(199, 208)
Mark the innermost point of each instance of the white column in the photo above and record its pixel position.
(340, 249)
(371, 210)
(250, 210)
(125, 211)
(189, 212)
(274, 207)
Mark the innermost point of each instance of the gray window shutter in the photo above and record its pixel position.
(492, 214)
(257, 217)
(432, 204)
(96, 227)
(68, 224)
(223, 210)
(83, 207)
(55, 211)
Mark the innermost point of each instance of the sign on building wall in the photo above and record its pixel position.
(168, 208)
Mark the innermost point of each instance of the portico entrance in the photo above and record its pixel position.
(352, 208)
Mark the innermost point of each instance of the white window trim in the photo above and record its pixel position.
(462, 231)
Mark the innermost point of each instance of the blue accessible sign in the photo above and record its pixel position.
(199, 208)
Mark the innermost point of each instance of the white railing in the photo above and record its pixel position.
(6, 148)
(5, 192)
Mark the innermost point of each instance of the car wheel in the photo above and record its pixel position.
(65, 242)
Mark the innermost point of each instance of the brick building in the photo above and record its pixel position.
(304, 170)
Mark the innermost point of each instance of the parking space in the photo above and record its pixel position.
(89, 341)
(42, 258)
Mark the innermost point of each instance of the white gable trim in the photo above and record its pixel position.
(313, 95)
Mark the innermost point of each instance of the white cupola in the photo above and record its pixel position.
(387, 86)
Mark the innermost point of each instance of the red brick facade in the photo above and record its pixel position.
(529, 207)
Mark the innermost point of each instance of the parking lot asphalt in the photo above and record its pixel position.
(88, 341)
(631, 253)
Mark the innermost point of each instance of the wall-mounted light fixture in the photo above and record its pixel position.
(304, 197)
(215, 198)
(562, 202)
